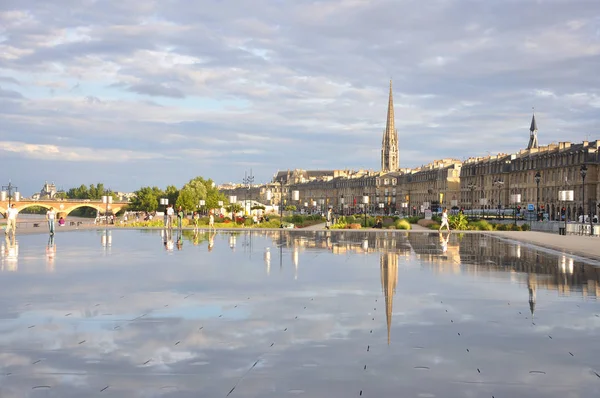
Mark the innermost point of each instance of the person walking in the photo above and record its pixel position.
(170, 215)
(51, 217)
(211, 221)
(444, 220)
(11, 220)
(180, 216)
(196, 218)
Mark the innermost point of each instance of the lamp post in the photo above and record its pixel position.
(232, 202)
(583, 172)
(11, 192)
(499, 183)
(471, 187)
(538, 178)
(164, 202)
(248, 180)
(365, 200)
(281, 206)
(106, 199)
(342, 205)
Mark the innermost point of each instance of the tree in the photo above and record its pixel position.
(172, 193)
(146, 199)
(199, 189)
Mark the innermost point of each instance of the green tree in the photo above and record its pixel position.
(199, 189)
(146, 199)
(172, 193)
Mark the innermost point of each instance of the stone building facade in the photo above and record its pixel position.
(494, 182)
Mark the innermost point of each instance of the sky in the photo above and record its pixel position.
(134, 93)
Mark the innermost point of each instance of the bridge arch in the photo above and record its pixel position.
(63, 208)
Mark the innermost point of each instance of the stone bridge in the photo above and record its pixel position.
(65, 206)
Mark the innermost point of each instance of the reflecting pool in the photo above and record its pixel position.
(129, 313)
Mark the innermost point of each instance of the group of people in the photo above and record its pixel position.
(11, 220)
(170, 216)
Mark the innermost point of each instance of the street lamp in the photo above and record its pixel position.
(164, 202)
(248, 180)
(538, 178)
(583, 172)
(11, 192)
(471, 187)
(365, 200)
(499, 183)
(106, 199)
(281, 205)
(342, 205)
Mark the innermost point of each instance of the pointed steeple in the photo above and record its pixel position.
(388, 263)
(389, 143)
(389, 125)
(533, 139)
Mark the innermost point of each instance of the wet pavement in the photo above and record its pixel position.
(127, 313)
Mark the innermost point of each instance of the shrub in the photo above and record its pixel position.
(481, 225)
(525, 227)
(413, 219)
(434, 226)
(402, 224)
(514, 227)
(458, 221)
(502, 227)
(350, 219)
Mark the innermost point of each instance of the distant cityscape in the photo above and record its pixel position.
(532, 177)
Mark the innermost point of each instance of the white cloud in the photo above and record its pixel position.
(219, 78)
(74, 154)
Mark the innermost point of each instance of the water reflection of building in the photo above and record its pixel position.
(481, 253)
(388, 267)
(475, 254)
(10, 253)
(441, 251)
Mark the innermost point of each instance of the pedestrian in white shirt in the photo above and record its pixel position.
(51, 217)
(444, 220)
(11, 220)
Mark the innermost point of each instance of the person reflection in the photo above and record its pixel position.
(196, 237)
(179, 240)
(444, 242)
(10, 253)
(168, 240)
(50, 253)
(211, 240)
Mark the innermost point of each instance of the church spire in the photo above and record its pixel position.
(389, 126)
(533, 139)
(389, 144)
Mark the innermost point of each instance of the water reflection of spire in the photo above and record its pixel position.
(268, 260)
(106, 239)
(388, 263)
(295, 255)
(532, 287)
